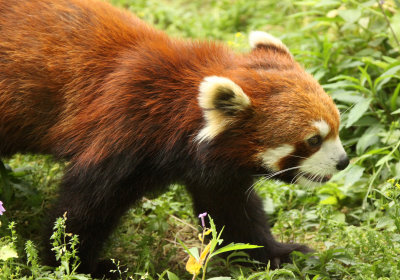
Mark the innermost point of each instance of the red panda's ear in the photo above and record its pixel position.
(260, 39)
(220, 99)
(222, 95)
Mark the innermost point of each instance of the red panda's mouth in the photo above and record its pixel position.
(317, 178)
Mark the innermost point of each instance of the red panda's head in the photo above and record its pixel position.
(271, 115)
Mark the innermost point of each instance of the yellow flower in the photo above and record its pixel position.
(201, 235)
(193, 266)
(205, 252)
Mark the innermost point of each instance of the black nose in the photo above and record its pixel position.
(343, 162)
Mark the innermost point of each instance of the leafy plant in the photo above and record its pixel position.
(200, 257)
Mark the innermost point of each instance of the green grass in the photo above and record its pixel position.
(353, 222)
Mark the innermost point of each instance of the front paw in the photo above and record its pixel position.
(281, 253)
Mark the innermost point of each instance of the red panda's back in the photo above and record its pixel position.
(48, 50)
(48, 37)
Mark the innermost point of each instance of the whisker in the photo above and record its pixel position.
(317, 175)
(297, 177)
(341, 113)
(296, 156)
(253, 187)
(265, 178)
(282, 171)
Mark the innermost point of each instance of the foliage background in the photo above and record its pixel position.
(352, 48)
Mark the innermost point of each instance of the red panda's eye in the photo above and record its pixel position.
(315, 141)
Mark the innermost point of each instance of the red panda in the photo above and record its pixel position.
(133, 110)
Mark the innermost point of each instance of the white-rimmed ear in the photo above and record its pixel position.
(259, 39)
(220, 99)
(223, 95)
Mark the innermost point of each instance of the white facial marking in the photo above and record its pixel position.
(323, 127)
(323, 162)
(271, 157)
(262, 38)
(216, 121)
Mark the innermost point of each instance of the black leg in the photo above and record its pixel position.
(245, 221)
(94, 200)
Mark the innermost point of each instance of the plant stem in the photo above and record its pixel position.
(388, 21)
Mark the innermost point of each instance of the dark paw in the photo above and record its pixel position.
(107, 269)
(282, 253)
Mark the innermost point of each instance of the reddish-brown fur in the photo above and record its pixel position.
(69, 61)
(86, 82)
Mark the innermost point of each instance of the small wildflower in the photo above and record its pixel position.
(201, 235)
(193, 266)
(205, 252)
(238, 34)
(201, 216)
(2, 210)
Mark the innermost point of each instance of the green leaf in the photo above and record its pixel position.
(386, 223)
(353, 174)
(339, 218)
(350, 16)
(388, 157)
(370, 137)
(78, 277)
(195, 253)
(213, 228)
(187, 249)
(172, 276)
(395, 22)
(215, 238)
(269, 206)
(331, 200)
(385, 77)
(357, 111)
(396, 112)
(282, 272)
(346, 96)
(234, 247)
(393, 99)
(7, 252)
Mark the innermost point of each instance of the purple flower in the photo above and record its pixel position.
(2, 210)
(201, 216)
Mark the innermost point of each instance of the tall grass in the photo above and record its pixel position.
(352, 48)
